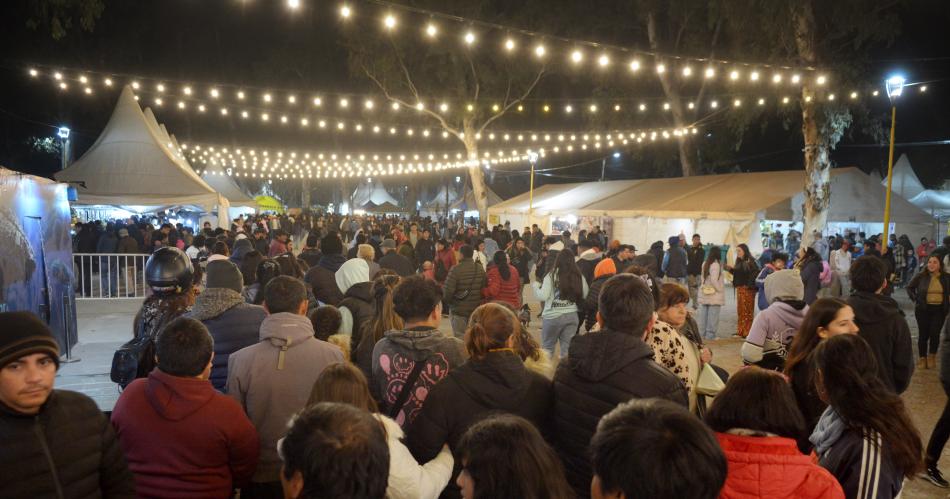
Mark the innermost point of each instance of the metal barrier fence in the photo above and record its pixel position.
(108, 276)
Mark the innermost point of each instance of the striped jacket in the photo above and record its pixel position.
(859, 460)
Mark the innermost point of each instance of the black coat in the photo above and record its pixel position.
(695, 255)
(397, 263)
(425, 251)
(68, 450)
(322, 279)
(883, 326)
(232, 330)
(498, 383)
(602, 370)
(917, 290)
(359, 301)
(311, 256)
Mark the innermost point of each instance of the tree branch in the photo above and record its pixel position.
(405, 70)
(515, 102)
(712, 51)
(445, 125)
(474, 75)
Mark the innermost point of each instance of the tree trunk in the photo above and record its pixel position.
(305, 194)
(476, 175)
(687, 154)
(817, 159)
(344, 197)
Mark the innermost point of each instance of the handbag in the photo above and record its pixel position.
(707, 289)
(709, 382)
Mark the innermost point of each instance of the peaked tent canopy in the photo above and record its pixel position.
(372, 192)
(132, 163)
(467, 202)
(904, 182)
(386, 207)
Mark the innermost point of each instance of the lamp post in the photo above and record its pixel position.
(63, 133)
(894, 86)
(533, 158)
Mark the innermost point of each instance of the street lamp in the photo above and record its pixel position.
(533, 158)
(63, 134)
(894, 87)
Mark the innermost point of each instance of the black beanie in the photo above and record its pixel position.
(331, 244)
(25, 334)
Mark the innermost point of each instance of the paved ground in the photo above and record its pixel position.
(106, 324)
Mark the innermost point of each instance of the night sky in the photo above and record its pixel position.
(261, 43)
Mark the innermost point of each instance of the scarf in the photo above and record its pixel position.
(829, 429)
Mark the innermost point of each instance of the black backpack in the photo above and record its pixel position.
(136, 358)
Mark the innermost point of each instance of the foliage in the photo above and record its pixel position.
(58, 17)
(45, 145)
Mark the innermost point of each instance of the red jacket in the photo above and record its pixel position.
(182, 438)
(501, 290)
(773, 467)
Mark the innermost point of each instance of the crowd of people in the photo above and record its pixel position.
(326, 371)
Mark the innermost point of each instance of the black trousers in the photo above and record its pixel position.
(929, 322)
(938, 439)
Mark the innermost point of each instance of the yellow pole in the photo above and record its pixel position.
(890, 171)
(531, 191)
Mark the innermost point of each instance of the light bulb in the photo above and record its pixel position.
(754, 76)
(369, 104)
(539, 51)
(821, 80)
(737, 103)
(240, 95)
(593, 108)
(59, 76)
(214, 93)
(784, 100)
(568, 109)
(345, 12)
(420, 106)
(761, 102)
(577, 56)
(714, 104)
(617, 107)
(643, 107)
(796, 78)
(687, 71)
(293, 4)
(660, 68)
(267, 97)
(603, 60)
(431, 30)
(777, 78)
(469, 38)
(395, 106)
(509, 44)
(710, 72)
(443, 107)
(158, 101)
(546, 108)
(34, 73)
(733, 75)
(389, 21)
(854, 95)
(87, 90)
(634, 65)
(317, 102)
(344, 103)
(135, 84)
(108, 82)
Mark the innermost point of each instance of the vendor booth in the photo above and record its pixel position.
(725, 209)
(133, 163)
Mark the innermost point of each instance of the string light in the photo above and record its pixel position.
(469, 38)
(634, 65)
(709, 73)
(345, 11)
(293, 4)
(687, 71)
(509, 45)
(603, 61)
(577, 56)
(34, 73)
(240, 95)
(389, 22)
(539, 51)
(660, 68)
(431, 30)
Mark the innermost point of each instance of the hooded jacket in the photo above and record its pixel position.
(857, 458)
(772, 333)
(233, 325)
(184, 439)
(241, 248)
(773, 467)
(322, 279)
(407, 478)
(602, 370)
(395, 356)
(587, 262)
(499, 289)
(499, 382)
(883, 326)
(272, 380)
(68, 449)
(356, 307)
(397, 263)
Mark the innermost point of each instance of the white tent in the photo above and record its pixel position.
(467, 202)
(722, 208)
(904, 182)
(371, 192)
(133, 163)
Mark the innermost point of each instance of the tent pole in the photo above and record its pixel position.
(890, 174)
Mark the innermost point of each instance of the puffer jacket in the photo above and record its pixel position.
(501, 290)
(322, 279)
(773, 467)
(467, 275)
(233, 325)
(66, 450)
(500, 382)
(358, 301)
(883, 326)
(602, 370)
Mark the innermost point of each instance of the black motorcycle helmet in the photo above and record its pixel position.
(169, 271)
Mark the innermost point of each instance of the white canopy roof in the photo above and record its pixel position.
(904, 182)
(133, 162)
(736, 196)
(372, 192)
(467, 202)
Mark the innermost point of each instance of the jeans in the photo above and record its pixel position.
(693, 285)
(709, 320)
(929, 321)
(682, 281)
(108, 276)
(558, 329)
(459, 325)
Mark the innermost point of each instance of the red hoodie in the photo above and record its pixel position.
(182, 438)
(773, 467)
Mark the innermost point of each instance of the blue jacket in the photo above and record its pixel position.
(767, 270)
(233, 325)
